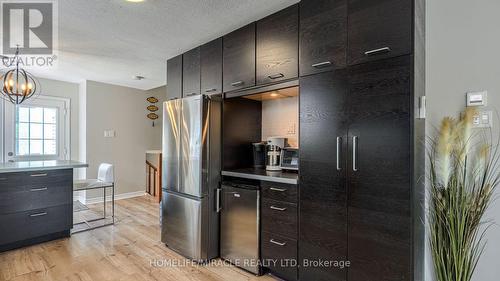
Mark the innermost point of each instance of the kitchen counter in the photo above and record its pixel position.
(263, 175)
(26, 166)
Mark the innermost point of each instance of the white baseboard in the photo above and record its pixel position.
(120, 196)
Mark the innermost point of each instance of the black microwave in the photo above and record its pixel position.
(290, 158)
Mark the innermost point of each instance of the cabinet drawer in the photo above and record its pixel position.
(48, 177)
(35, 197)
(279, 255)
(10, 182)
(279, 217)
(31, 224)
(279, 191)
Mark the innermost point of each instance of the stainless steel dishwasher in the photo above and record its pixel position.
(240, 225)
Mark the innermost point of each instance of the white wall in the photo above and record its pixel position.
(280, 117)
(463, 54)
(161, 94)
(123, 110)
(66, 90)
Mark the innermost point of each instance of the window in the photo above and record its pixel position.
(36, 131)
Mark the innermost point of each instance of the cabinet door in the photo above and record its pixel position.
(379, 29)
(323, 35)
(278, 46)
(239, 59)
(379, 171)
(323, 206)
(211, 67)
(174, 78)
(191, 73)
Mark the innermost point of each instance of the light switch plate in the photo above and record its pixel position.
(422, 107)
(483, 119)
(477, 98)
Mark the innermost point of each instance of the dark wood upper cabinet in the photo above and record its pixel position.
(323, 35)
(174, 78)
(379, 29)
(211, 67)
(191, 73)
(278, 46)
(239, 59)
(380, 208)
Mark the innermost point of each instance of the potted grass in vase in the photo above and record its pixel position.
(463, 174)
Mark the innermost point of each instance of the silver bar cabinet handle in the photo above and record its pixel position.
(277, 243)
(210, 90)
(38, 175)
(38, 214)
(354, 153)
(277, 189)
(276, 76)
(322, 64)
(339, 146)
(237, 83)
(277, 208)
(378, 51)
(39, 189)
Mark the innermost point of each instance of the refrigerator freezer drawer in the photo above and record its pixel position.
(185, 225)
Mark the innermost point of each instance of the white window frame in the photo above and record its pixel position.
(63, 134)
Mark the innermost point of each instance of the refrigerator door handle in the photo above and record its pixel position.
(354, 153)
(339, 143)
(218, 200)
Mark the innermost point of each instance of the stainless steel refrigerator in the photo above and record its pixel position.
(191, 176)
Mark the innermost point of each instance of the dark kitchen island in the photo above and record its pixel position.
(36, 201)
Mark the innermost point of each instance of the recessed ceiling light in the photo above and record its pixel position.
(135, 1)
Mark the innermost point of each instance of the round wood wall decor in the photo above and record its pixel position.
(152, 100)
(152, 108)
(153, 116)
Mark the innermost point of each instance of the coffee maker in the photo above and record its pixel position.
(273, 153)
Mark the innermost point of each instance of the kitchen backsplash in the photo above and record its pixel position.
(280, 118)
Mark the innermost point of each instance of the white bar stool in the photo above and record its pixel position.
(105, 179)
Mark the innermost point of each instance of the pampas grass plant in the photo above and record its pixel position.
(463, 174)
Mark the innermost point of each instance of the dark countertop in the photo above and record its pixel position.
(263, 175)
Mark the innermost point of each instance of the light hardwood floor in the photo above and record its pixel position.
(126, 251)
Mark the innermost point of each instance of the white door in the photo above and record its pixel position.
(37, 130)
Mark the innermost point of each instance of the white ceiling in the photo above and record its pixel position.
(113, 40)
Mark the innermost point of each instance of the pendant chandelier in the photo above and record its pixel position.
(18, 84)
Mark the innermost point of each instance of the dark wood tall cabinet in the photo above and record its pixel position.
(323, 190)
(361, 146)
(379, 171)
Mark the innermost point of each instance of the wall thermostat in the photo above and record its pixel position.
(477, 98)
